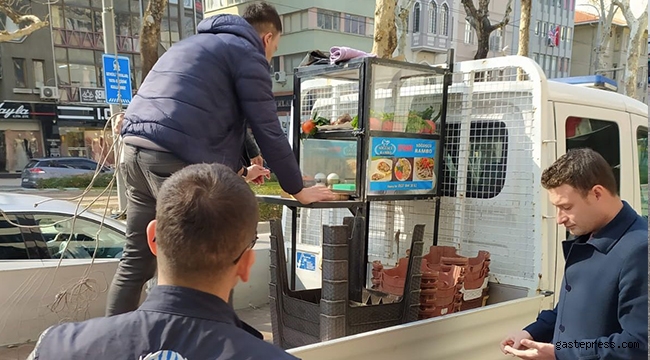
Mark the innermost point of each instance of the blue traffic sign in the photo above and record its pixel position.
(306, 261)
(117, 67)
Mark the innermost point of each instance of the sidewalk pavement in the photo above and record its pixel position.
(259, 318)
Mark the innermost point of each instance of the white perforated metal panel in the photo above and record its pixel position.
(491, 188)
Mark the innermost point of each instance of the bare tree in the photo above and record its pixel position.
(638, 26)
(385, 38)
(479, 19)
(17, 11)
(606, 18)
(150, 34)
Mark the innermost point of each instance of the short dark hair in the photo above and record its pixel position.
(262, 16)
(206, 216)
(582, 169)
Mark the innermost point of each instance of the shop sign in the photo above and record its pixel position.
(84, 113)
(14, 111)
(283, 103)
(20, 110)
(92, 95)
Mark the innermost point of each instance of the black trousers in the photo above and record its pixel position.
(144, 171)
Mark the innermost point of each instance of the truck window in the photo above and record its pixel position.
(486, 172)
(599, 135)
(642, 147)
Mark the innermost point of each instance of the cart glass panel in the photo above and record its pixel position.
(405, 114)
(329, 109)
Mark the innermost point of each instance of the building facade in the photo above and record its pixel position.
(551, 38)
(55, 74)
(587, 34)
(307, 26)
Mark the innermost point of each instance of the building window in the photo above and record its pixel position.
(79, 19)
(292, 61)
(416, 18)
(275, 64)
(537, 27)
(39, 73)
(553, 66)
(355, 24)
(469, 33)
(444, 23)
(57, 17)
(20, 74)
(433, 18)
(297, 21)
(328, 20)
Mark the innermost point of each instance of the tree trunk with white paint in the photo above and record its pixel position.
(385, 38)
(402, 15)
(605, 24)
(524, 27)
(150, 34)
(637, 27)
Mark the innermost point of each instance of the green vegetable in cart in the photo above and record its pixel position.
(355, 121)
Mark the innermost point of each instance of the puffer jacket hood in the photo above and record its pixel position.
(231, 24)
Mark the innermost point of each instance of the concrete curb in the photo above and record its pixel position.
(263, 227)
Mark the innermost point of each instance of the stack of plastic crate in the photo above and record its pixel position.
(442, 296)
(440, 287)
(476, 270)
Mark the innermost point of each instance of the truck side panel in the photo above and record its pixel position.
(473, 334)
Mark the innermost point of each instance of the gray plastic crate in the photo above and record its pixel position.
(309, 316)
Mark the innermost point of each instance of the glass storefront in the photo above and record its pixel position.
(90, 143)
(17, 147)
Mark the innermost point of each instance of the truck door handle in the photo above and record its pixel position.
(546, 293)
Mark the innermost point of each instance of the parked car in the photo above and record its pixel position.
(54, 226)
(56, 167)
(39, 289)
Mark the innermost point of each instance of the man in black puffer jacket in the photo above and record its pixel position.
(191, 108)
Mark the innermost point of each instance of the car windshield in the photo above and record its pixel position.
(82, 236)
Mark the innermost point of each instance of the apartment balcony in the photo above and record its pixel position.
(430, 42)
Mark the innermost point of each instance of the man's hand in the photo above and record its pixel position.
(258, 160)
(533, 350)
(257, 173)
(514, 340)
(315, 194)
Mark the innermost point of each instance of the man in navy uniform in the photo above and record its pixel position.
(602, 312)
(203, 237)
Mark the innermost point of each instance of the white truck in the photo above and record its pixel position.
(502, 133)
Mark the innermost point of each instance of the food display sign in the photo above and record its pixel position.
(402, 166)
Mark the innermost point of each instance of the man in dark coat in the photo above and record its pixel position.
(193, 107)
(602, 312)
(203, 236)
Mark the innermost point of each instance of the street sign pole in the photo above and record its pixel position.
(110, 47)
